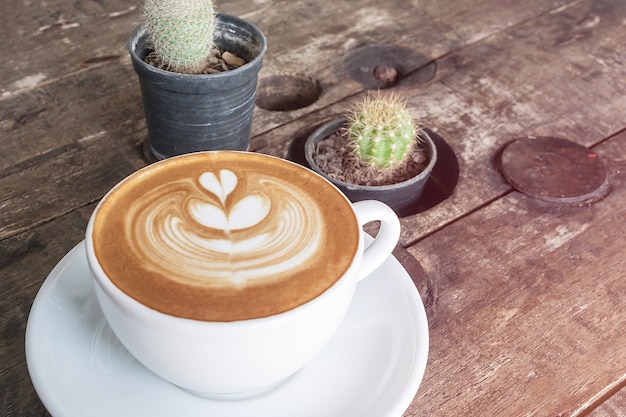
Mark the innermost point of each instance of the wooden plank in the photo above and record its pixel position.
(51, 42)
(49, 168)
(525, 305)
(516, 306)
(475, 117)
(101, 104)
(306, 39)
(469, 312)
(63, 37)
(489, 93)
(59, 181)
(614, 406)
(69, 38)
(25, 261)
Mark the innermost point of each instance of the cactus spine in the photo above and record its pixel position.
(382, 130)
(180, 32)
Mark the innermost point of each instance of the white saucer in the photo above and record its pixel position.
(372, 367)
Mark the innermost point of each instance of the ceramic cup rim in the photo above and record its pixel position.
(126, 301)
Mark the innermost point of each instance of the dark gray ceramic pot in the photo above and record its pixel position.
(398, 196)
(190, 112)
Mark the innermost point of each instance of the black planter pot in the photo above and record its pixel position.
(397, 196)
(197, 112)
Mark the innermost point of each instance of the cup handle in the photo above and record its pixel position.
(386, 239)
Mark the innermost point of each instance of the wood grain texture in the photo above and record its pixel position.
(614, 406)
(524, 299)
(314, 40)
(528, 310)
(100, 103)
(25, 261)
(56, 40)
(556, 75)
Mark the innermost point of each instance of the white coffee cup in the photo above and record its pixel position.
(235, 359)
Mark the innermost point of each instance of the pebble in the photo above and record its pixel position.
(232, 60)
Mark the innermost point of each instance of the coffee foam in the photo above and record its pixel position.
(224, 236)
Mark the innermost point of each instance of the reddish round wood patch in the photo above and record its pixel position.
(555, 170)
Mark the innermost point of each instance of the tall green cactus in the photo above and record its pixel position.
(180, 32)
(382, 130)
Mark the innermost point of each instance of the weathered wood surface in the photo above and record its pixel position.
(102, 99)
(480, 116)
(556, 75)
(523, 317)
(615, 406)
(25, 260)
(531, 296)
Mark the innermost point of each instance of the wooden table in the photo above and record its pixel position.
(525, 298)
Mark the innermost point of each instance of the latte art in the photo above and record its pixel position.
(199, 233)
(223, 236)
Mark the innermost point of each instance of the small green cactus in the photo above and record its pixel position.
(382, 130)
(180, 32)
